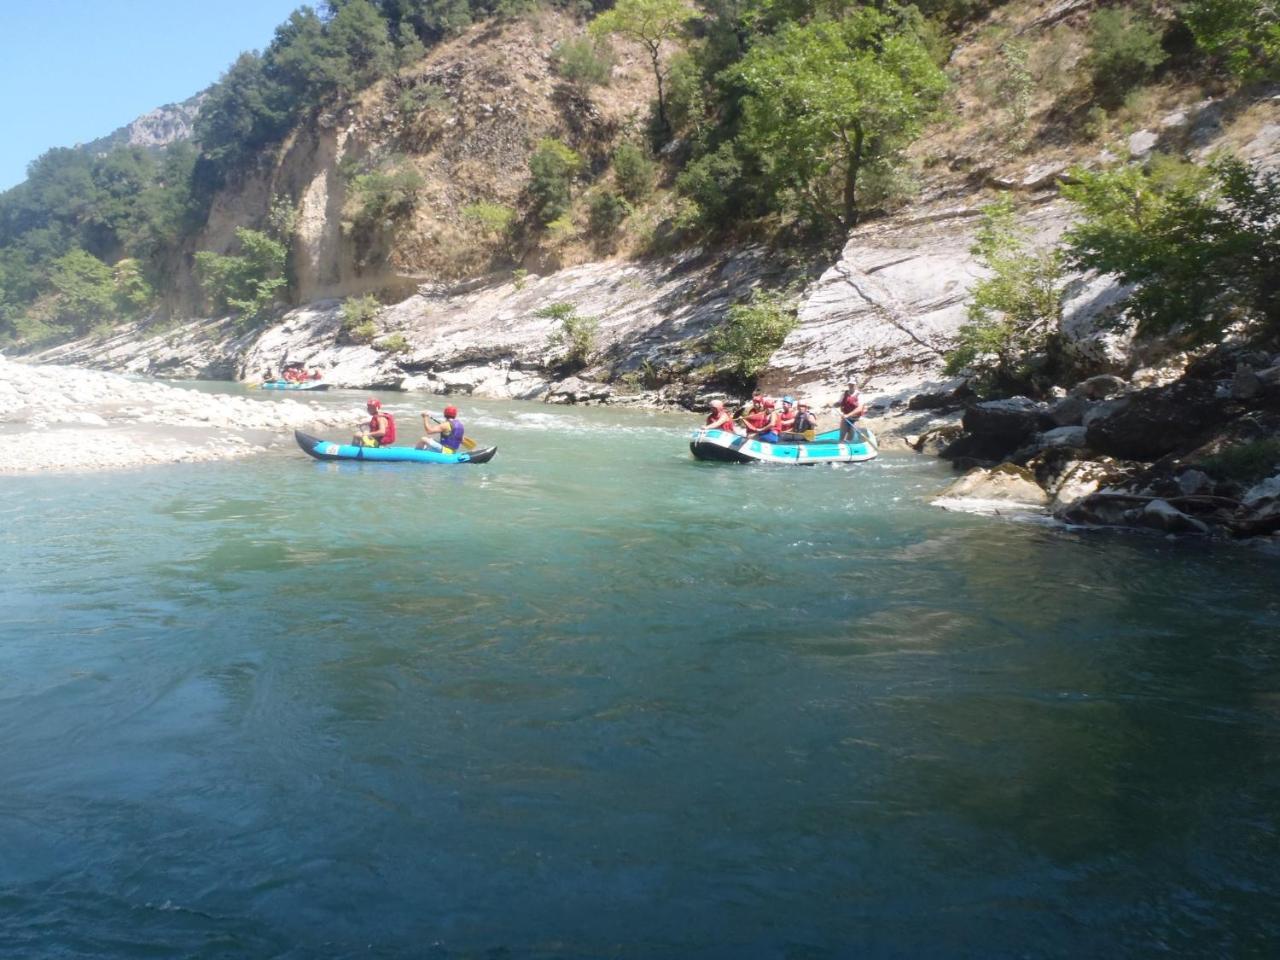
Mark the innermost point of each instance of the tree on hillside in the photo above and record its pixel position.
(650, 23)
(828, 99)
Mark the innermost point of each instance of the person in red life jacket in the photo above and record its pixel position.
(767, 432)
(851, 408)
(448, 434)
(787, 415)
(720, 418)
(754, 416)
(315, 373)
(382, 427)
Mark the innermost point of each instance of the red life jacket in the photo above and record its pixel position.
(849, 403)
(786, 420)
(756, 419)
(388, 438)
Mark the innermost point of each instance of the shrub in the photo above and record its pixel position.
(1201, 243)
(716, 184)
(1013, 314)
(1244, 463)
(634, 170)
(1124, 50)
(750, 334)
(583, 61)
(384, 195)
(358, 316)
(575, 339)
(552, 169)
(396, 343)
(421, 98)
(606, 210)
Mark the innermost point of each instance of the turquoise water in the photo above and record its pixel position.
(595, 699)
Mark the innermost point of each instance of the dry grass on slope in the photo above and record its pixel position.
(468, 117)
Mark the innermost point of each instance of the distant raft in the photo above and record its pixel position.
(293, 385)
(325, 450)
(824, 448)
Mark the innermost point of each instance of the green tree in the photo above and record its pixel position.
(249, 282)
(357, 46)
(1243, 34)
(1015, 313)
(651, 24)
(829, 98)
(1201, 243)
(552, 167)
(85, 289)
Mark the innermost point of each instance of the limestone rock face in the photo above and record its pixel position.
(1094, 326)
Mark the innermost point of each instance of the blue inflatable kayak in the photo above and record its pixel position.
(293, 385)
(824, 448)
(324, 450)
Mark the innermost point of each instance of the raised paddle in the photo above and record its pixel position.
(467, 442)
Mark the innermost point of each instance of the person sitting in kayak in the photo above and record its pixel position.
(787, 415)
(851, 408)
(767, 432)
(805, 426)
(449, 433)
(382, 427)
(754, 416)
(720, 418)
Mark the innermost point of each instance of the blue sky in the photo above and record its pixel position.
(74, 70)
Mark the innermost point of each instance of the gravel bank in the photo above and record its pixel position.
(55, 418)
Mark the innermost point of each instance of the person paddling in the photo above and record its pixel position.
(851, 408)
(720, 418)
(381, 431)
(449, 434)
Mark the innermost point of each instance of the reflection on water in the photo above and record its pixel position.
(595, 699)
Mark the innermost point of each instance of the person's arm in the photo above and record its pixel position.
(380, 429)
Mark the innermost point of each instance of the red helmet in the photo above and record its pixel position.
(450, 411)
(373, 403)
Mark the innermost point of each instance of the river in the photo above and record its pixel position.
(596, 699)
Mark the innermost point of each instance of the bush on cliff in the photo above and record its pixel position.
(750, 334)
(1014, 314)
(574, 339)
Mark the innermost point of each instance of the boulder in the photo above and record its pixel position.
(1245, 384)
(1142, 143)
(935, 441)
(1062, 437)
(999, 427)
(1070, 411)
(1260, 493)
(1193, 482)
(1005, 484)
(1162, 515)
(1151, 423)
(940, 396)
(1077, 479)
(577, 390)
(1099, 388)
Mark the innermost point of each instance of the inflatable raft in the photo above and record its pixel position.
(324, 450)
(824, 448)
(293, 385)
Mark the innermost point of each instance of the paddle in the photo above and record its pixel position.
(467, 442)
